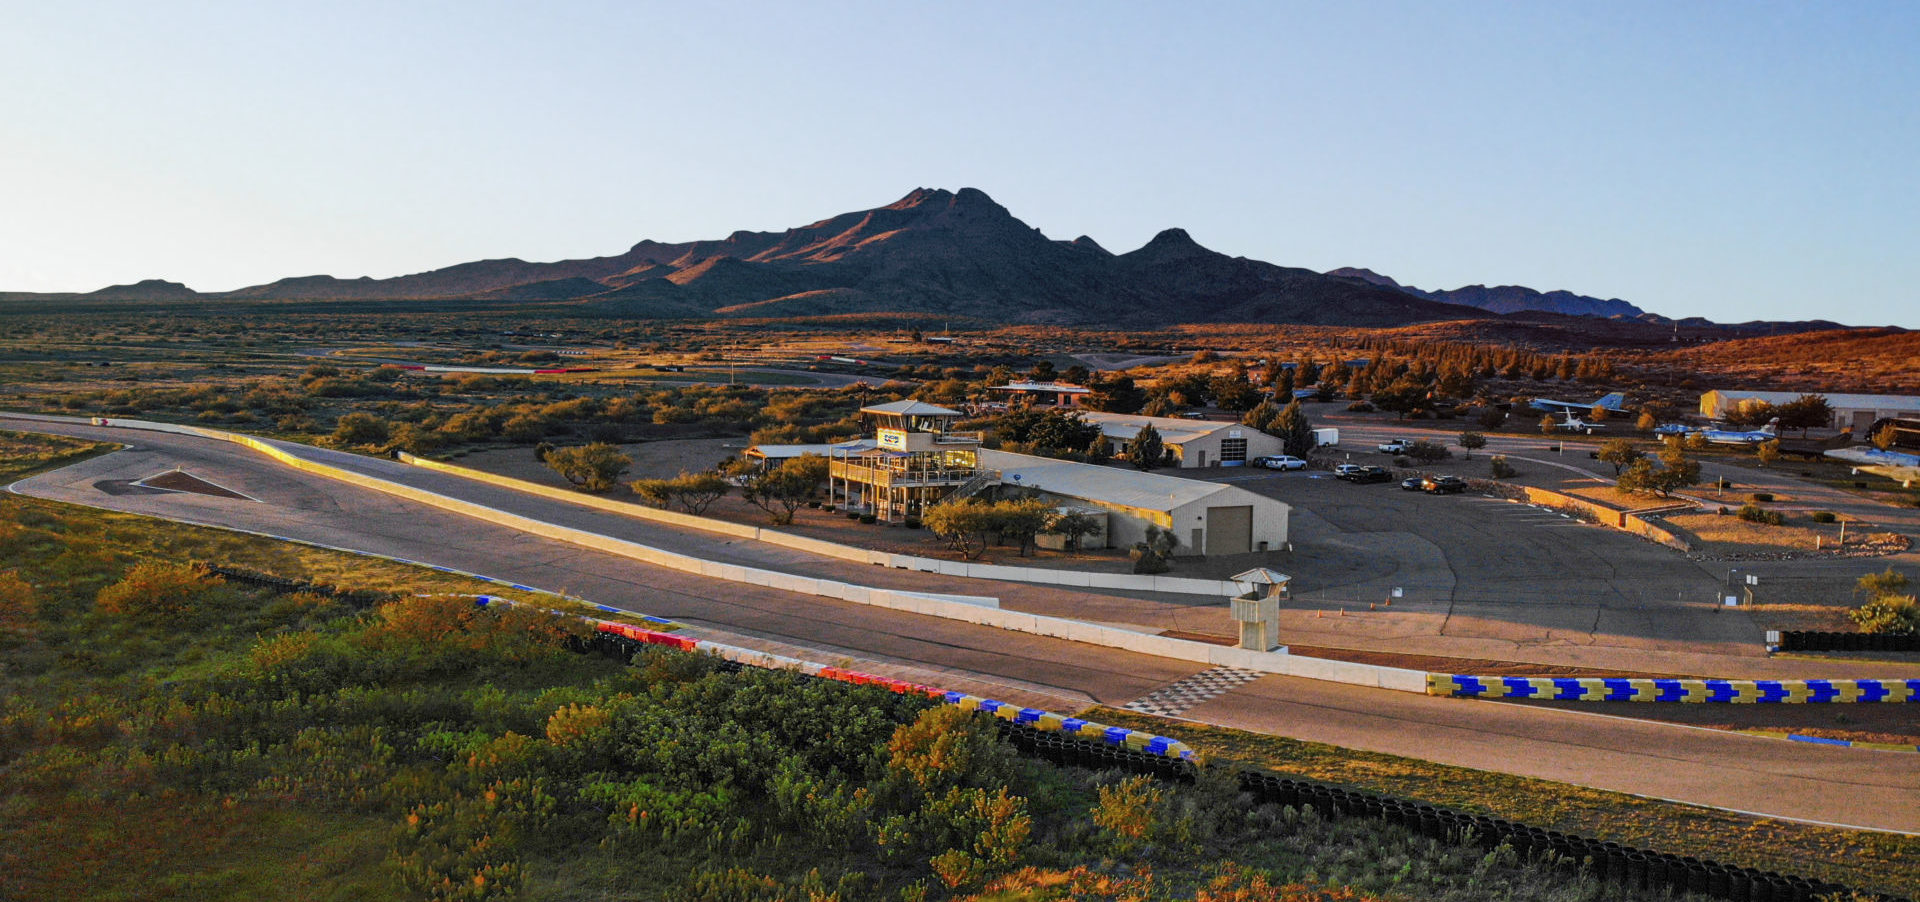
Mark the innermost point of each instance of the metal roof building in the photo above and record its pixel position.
(1851, 412)
(1208, 518)
(1195, 443)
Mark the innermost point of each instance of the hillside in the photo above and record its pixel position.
(1506, 298)
(1839, 360)
(932, 251)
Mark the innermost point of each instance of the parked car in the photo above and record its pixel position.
(1443, 485)
(1366, 474)
(1344, 470)
(1413, 484)
(1394, 446)
(1282, 462)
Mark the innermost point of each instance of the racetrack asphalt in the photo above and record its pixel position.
(1852, 787)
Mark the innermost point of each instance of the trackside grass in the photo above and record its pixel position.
(1869, 861)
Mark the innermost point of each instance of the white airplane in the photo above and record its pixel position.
(1615, 402)
(1575, 424)
(1743, 437)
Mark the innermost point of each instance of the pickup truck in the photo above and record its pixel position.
(1364, 474)
(1394, 446)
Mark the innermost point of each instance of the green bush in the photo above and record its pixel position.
(1753, 513)
(1498, 466)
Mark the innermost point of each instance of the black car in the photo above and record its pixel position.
(1366, 474)
(1443, 485)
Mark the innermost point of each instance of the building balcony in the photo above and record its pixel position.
(887, 475)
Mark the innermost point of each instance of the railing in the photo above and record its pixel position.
(959, 438)
(883, 475)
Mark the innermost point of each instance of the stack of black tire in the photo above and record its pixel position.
(356, 598)
(1639, 869)
(1803, 640)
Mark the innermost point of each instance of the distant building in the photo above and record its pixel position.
(915, 460)
(1851, 413)
(1195, 443)
(1060, 394)
(1207, 517)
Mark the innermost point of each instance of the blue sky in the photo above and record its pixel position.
(1735, 161)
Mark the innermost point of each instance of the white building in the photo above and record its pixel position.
(1851, 413)
(1195, 443)
(1209, 518)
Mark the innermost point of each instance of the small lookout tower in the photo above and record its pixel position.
(1257, 609)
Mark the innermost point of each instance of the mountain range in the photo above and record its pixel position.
(955, 254)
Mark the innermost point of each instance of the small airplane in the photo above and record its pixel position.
(1576, 424)
(1615, 402)
(1743, 437)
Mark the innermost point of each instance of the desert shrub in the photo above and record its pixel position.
(1753, 513)
(1823, 517)
(155, 589)
(1895, 614)
(360, 429)
(19, 606)
(1498, 466)
(1428, 452)
(1762, 497)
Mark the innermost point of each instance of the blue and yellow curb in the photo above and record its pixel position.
(1640, 689)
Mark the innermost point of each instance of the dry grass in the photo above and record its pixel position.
(1727, 533)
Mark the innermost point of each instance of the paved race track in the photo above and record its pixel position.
(1847, 786)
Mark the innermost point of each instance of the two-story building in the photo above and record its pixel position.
(917, 459)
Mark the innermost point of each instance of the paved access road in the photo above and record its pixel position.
(1879, 790)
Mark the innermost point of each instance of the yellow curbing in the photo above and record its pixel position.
(1685, 691)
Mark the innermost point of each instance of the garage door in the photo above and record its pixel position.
(1230, 530)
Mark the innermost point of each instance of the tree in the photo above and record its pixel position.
(963, 524)
(1472, 441)
(1806, 412)
(1676, 472)
(1647, 421)
(592, 468)
(1151, 555)
(1042, 372)
(1146, 449)
(1547, 424)
(1598, 414)
(1401, 397)
(1076, 375)
(691, 492)
(1073, 527)
(1293, 429)
(1768, 452)
(1492, 418)
(1020, 520)
(1621, 453)
(1261, 415)
(1233, 392)
(783, 489)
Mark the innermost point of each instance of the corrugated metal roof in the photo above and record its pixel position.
(1108, 485)
(783, 452)
(1124, 426)
(1044, 386)
(1901, 402)
(911, 408)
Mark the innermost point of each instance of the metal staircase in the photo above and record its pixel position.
(974, 486)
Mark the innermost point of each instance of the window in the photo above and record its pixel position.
(1233, 449)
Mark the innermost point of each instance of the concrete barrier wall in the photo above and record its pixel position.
(1622, 689)
(972, 609)
(1621, 520)
(1218, 588)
